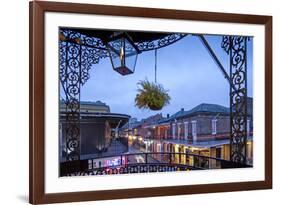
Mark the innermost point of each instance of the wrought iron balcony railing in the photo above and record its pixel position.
(145, 162)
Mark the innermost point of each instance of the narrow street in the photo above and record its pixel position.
(139, 158)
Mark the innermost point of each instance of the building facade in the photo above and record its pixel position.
(203, 130)
(98, 127)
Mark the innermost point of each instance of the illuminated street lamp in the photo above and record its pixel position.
(123, 53)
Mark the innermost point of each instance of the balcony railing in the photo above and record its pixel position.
(146, 162)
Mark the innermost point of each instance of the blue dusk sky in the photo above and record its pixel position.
(185, 69)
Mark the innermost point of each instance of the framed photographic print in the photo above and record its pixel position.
(139, 102)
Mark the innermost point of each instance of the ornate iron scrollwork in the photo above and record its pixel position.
(90, 56)
(75, 61)
(93, 49)
(236, 47)
(129, 169)
(159, 43)
(225, 43)
(70, 64)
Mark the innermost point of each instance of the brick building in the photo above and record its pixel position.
(202, 130)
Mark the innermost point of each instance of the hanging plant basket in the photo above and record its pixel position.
(151, 96)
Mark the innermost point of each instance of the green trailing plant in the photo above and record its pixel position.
(151, 96)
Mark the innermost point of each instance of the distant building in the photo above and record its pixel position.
(98, 127)
(205, 130)
(203, 122)
(141, 128)
(89, 107)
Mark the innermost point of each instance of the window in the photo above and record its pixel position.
(159, 148)
(185, 130)
(179, 131)
(194, 130)
(214, 126)
(218, 152)
(218, 155)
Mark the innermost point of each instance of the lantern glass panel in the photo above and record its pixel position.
(123, 55)
(131, 56)
(115, 51)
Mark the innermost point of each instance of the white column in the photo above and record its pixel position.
(185, 130)
(214, 126)
(146, 146)
(61, 141)
(248, 128)
(174, 130)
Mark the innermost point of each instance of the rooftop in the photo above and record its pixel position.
(99, 103)
(213, 108)
(202, 108)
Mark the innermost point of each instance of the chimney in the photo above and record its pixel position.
(182, 109)
(168, 115)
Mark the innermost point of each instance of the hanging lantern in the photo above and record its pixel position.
(123, 53)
